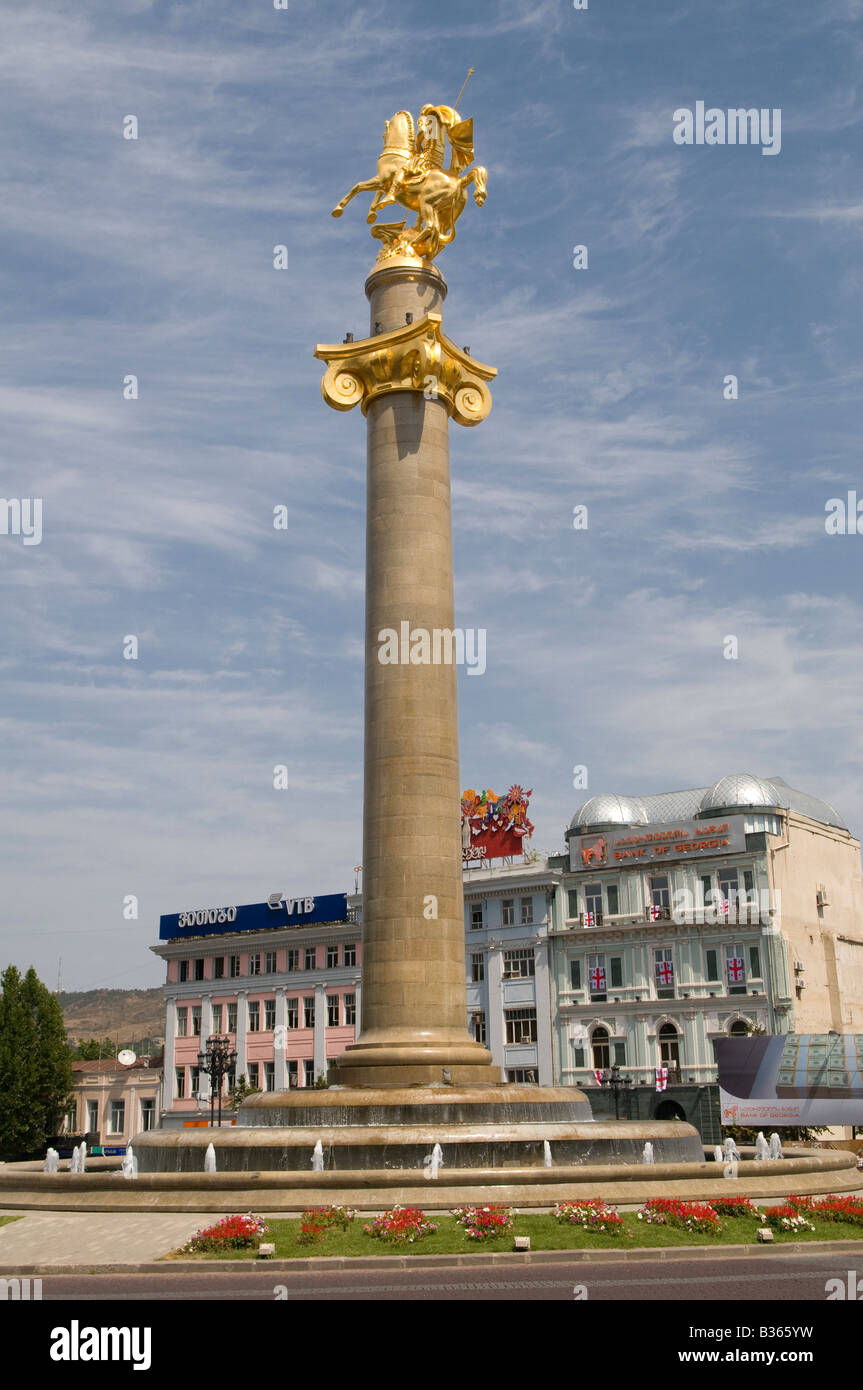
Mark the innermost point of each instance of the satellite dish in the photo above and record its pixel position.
(126, 1057)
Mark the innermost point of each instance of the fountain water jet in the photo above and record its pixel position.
(210, 1159)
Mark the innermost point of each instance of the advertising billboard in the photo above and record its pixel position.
(494, 827)
(657, 844)
(793, 1079)
(290, 912)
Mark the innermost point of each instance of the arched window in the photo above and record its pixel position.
(601, 1048)
(669, 1045)
(737, 1029)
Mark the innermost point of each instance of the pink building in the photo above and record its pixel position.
(288, 995)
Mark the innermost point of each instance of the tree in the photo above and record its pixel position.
(238, 1092)
(35, 1065)
(91, 1049)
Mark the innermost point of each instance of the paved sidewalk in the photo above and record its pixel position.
(94, 1238)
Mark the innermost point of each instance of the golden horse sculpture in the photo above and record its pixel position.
(411, 172)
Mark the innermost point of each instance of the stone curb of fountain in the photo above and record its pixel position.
(472, 1259)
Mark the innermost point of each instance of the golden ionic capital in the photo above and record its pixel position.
(417, 357)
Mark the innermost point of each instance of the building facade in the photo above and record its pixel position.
(690, 916)
(113, 1102)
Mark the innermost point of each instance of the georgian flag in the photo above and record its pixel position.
(665, 972)
(655, 914)
(598, 1075)
(724, 906)
(597, 979)
(589, 919)
(735, 969)
(661, 1078)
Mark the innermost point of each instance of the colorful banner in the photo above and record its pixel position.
(494, 827)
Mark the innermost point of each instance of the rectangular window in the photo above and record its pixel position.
(521, 1076)
(180, 1082)
(572, 904)
(182, 1022)
(308, 1072)
(332, 957)
(748, 881)
(255, 1075)
(593, 901)
(196, 1021)
(577, 1055)
(575, 974)
(476, 921)
(663, 972)
(199, 968)
(711, 964)
(218, 967)
(350, 1010)
(477, 967)
(519, 965)
(254, 1016)
(526, 905)
(254, 963)
(293, 1006)
(232, 1018)
(217, 1018)
(269, 1076)
(70, 1120)
(735, 970)
(92, 1115)
(235, 966)
(311, 958)
(659, 893)
(309, 1011)
(706, 881)
(294, 958)
(728, 894)
(596, 978)
(117, 1122)
(148, 1114)
(184, 971)
(507, 912)
(616, 964)
(293, 1079)
(269, 1015)
(755, 962)
(350, 954)
(611, 895)
(332, 1011)
(269, 963)
(520, 1025)
(479, 1027)
(194, 1081)
(619, 1054)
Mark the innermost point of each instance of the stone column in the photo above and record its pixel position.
(320, 1052)
(206, 1029)
(242, 1030)
(168, 1062)
(410, 379)
(280, 1041)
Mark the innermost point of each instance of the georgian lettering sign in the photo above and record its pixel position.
(290, 912)
(625, 846)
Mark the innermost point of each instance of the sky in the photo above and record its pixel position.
(152, 778)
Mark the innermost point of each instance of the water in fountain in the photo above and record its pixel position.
(52, 1161)
(433, 1162)
(647, 1153)
(210, 1159)
(762, 1149)
(775, 1145)
(731, 1150)
(318, 1158)
(718, 1155)
(546, 1153)
(130, 1164)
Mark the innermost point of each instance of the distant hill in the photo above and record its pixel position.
(128, 1015)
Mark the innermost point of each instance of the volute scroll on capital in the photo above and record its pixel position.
(416, 357)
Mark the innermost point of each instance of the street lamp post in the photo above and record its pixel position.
(218, 1061)
(617, 1083)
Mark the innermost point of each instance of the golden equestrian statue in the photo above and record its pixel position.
(411, 172)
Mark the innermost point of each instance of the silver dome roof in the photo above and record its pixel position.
(740, 789)
(609, 809)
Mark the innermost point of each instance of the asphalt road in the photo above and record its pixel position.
(765, 1277)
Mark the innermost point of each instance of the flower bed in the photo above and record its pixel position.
(591, 1213)
(316, 1221)
(238, 1232)
(401, 1226)
(733, 1206)
(690, 1216)
(484, 1223)
(833, 1208)
(788, 1218)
